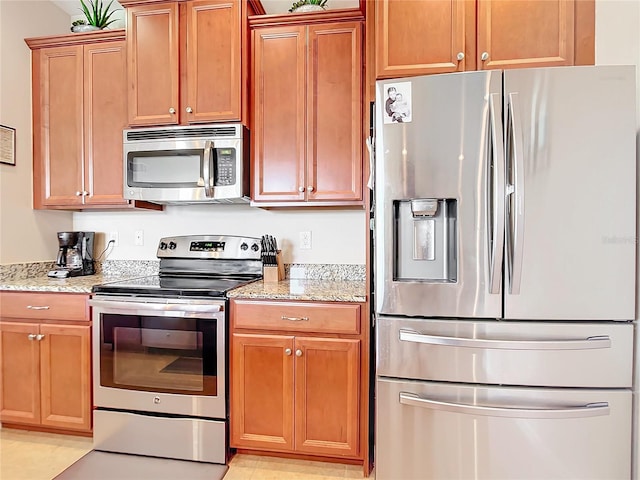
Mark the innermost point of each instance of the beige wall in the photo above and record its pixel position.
(25, 234)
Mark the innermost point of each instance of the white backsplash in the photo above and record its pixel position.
(337, 236)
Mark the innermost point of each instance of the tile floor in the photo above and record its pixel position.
(41, 456)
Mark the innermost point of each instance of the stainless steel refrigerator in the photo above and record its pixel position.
(504, 274)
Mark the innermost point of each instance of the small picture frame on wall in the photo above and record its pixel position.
(7, 145)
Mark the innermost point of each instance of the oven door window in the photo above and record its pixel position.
(161, 354)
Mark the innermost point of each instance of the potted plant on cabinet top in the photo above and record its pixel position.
(98, 16)
(308, 6)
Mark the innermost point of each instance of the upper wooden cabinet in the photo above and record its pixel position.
(79, 112)
(439, 36)
(307, 137)
(185, 61)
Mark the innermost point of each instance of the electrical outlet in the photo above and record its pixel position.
(139, 237)
(305, 240)
(112, 236)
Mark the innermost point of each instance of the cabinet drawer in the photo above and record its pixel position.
(298, 317)
(44, 306)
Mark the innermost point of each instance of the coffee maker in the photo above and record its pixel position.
(75, 255)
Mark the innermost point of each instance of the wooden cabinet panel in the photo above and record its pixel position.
(60, 86)
(65, 370)
(437, 36)
(185, 61)
(307, 114)
(262, 392)
(45, 367)
(419, 37)
(279, 113)
(525, 34)
(19, 373)
(327, 389)
(334, 112)
(105, 114)
(213, 54)
(297, 316)
(304, 393)
(152, 56)
(44, 306)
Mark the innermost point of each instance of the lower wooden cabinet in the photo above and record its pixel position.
(298, 386)
(45, 367)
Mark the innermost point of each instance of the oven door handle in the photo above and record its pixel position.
(165, 309)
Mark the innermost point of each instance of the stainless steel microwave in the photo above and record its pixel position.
(187, 165)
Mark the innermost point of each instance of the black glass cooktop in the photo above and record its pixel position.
(171, 287)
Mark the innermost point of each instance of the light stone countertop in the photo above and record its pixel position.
(304, 289)
(33, 278)
(42, 283)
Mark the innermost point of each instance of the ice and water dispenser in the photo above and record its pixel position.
(425, 236)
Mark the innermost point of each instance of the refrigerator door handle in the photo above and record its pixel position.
(589, 410)
(497, 182)
(516, 191)
(590, 343)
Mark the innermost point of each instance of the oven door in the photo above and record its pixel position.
(159, 355)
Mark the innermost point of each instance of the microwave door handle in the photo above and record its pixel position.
(206, 168)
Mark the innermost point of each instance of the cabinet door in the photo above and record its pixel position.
(213, 61)
(419, 37)
(65, 370)
(19, 373)
(334, 112)
(327, 380)
(525, 34)
(105, 116)
(152, 58)
(58, 163)
(262, 392)
(278, 89)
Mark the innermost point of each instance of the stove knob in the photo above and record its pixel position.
(255, 247)
(244, 246)
(172, 245)
(163, 246)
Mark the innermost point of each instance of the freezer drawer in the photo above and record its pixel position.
(511, 353)
(427, 430)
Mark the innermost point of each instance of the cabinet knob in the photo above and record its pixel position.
(40, 336)
(484, 56)
(31, 336)
(189, 110)
(298, 353)
(310, 188)
(460, 56)
(301, 189)
(287, 351)
(172, 110)
(85, 193)
(78, 193)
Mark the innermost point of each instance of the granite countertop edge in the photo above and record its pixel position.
(289, 289)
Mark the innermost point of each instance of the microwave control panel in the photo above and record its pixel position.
(225, 169)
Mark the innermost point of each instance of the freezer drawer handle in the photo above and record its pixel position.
(589, 410)
(602, 341)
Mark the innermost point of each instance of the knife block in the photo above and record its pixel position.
(274, 273)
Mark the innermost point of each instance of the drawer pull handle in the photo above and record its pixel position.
(295, 319)
(36, 307)
(31, 336)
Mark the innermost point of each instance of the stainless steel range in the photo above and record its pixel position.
(160, 350)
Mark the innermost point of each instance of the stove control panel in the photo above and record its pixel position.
(209, 246)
